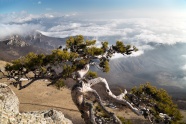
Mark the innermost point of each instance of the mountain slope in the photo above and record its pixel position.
(45, 42)
(15, 47)
(161, 66)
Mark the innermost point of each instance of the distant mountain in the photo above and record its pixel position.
(15, 47)
(15, 40)
(45, 42)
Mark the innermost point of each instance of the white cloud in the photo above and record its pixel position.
(134, 54)
(18, 17)
(21, 29)
(63, 27)
(166, 31)
(47, 16)
(184, 67)
(184, 56)
(39, 2)
(138, 31)
(184, 78)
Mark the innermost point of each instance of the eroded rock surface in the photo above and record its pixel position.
(9, 111)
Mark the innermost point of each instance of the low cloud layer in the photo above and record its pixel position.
(166, 31)
(184, 67)
(21, 29)
(139, 31)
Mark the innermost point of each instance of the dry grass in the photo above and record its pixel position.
(2, 64)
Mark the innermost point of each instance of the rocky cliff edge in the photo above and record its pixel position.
(9, 111)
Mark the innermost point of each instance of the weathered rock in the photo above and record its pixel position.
(9, 111)
(16, 41)
(8, 100)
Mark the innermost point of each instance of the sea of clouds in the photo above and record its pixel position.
(124, 26)
(159, 29)
(131, 27)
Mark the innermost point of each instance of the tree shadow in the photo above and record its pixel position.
(21, 86)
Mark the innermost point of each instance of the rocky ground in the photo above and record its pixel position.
(39, 97)
(9, 111)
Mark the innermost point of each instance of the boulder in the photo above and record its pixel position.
(9, 111)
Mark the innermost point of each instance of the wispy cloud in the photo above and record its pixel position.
(39, 2)
(184, 67)
(21, 29)
(146, 30)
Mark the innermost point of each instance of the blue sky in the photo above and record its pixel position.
(66, 6)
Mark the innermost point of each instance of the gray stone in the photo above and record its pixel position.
(9, 111)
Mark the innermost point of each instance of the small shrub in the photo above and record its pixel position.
(91, 75)
(60, 83)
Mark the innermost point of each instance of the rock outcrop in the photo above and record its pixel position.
(9, 111)
(16, 41)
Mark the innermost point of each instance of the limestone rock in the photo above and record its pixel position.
(17, 41)
(9, 111)
(8, 99)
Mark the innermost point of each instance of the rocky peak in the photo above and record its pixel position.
(16, 40)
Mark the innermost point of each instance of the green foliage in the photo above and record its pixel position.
(80, 63)
(124, 49)
(75, 41)
(161, 99)
(91, 75)
(77, 44)
(63, 55)
(104, 46)
(120, 47)
(90, 42)
(67, 70)
(8, 67)
(105, 65)
(81, 46)
(59, 83)
(94, 51)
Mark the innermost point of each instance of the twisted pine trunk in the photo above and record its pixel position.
(83, 90)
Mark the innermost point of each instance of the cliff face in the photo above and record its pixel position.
(16, 41)
(9, 111)
(15, 47)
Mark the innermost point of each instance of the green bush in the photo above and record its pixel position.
(60, 83)
(160, 99)
(91, 75)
